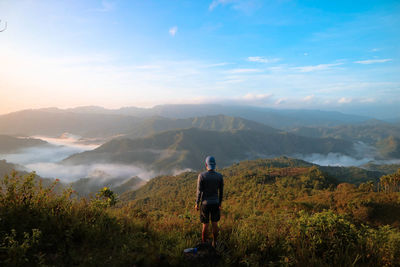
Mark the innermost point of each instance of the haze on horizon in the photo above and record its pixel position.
(338, 55)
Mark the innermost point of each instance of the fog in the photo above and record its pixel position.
(363, 154)
(335, 159)
(101, 172)
(44, 160)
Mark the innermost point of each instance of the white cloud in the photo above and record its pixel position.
(375, 49)
(280, 101)
(173, 31)
(263, 59)
(372, 61)
(217, 64)
(106, 6)
(251, 96)
(308, 98)
(367, 100)
(345, 100)
(234, 71)
(245, 6)
(316, 67)
(216, 3)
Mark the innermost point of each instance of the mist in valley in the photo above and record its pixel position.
(45, 161)
(363, 154)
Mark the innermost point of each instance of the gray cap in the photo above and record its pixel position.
(210, 161)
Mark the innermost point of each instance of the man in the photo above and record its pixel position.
(210, 186)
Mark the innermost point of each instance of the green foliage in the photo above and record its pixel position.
(105, 198)
(275, 213)
(39, 226)
(391, 182)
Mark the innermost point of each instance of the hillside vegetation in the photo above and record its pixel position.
(278, 212)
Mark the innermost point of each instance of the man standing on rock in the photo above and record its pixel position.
(210, 186)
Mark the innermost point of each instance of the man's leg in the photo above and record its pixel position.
(215, 232)
(204, 233)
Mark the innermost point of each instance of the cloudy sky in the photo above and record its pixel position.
(333, 55)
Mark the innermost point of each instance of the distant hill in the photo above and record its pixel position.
(158, 124)
(91, 117)
(55, 122)
(384, 168)
(10, 144)
(389, 147)
(7, 168)
(87, 186)
(187, 148)
(369, 132)
(276, 118)
(383, 136)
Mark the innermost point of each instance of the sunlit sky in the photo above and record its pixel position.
(330, 55)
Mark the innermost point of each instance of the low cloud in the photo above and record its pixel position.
(106, 6)
(45, 161)
(263, 59)
(172, 31)
(216, 3)
(364, 153)
(372, 61)
(345, 100)
(316, 67)
(335, 159)
(309, 98)
(40, 154)
(237, 71)
(71, 173)
(257, 96)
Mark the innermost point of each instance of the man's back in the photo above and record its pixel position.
(210, 187)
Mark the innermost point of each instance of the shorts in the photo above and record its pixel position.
(210, 210)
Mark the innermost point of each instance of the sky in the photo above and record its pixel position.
(329, 55)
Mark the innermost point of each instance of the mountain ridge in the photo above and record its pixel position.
(187, 148)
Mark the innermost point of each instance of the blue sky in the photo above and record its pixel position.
(332, 55)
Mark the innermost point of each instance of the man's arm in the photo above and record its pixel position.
(199, 189)
(221, 190)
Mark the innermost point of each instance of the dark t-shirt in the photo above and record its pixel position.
(210, 186)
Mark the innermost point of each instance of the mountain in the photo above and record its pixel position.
(384, 168)
(389, 147)
(55, 122)
(10, 144)
(158, 124)
(7, 168)
(276, 118)
(369, 132)
(90, 123)
(384, 137)
(187, 148)
(98, 119)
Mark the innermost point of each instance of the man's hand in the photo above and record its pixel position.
(196, 207)
(220, 207)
